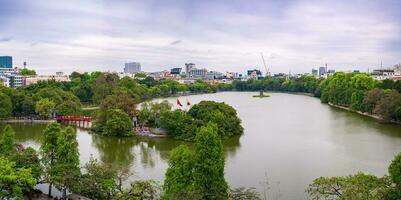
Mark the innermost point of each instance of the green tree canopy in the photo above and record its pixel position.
(178, 182)
(116, 123)
(7, 144)
(221, 114)
(29, 159)
(143, 189)
(6, 105)
(209, 178)
(66, 168)
(354, 187)
(44, 107)
(27, 72)
(48, 151)
(395, 170)
(14, 181)
(98, 181)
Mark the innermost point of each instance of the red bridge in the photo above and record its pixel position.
(73, 119)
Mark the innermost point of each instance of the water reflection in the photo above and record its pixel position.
(114, 151)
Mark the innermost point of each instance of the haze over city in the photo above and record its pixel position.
(220, 35)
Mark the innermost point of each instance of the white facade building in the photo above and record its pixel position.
(34, 79)
(132, 67)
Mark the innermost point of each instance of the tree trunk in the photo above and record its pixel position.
(64, 193)
(50, 189)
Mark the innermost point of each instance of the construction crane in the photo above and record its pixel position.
(264, 63)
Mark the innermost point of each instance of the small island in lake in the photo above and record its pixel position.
(261, 94)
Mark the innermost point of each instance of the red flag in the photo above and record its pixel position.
(179, 103)
(188, 103)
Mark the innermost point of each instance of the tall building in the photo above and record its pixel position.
(175, 71)
(213, 75)
(314, 72)
(132, 67)
(9, 77)
(189, 67)
(6, 62)
(322, 71)
(197, 73)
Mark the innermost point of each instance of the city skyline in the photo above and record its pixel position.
(293, 35)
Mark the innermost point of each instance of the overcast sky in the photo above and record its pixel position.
(89, 35)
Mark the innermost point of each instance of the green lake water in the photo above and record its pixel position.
(288, 141)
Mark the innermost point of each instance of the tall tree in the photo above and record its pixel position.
(388, 104)
(28, 158)
(7, 145)
(6, 105)
(44, 107)
(395, 174)
(98, 181)
(66, 168)
(209, 164)
(14, 181)
(178, 183)
(49, 152)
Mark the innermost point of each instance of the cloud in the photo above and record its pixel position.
(176, 42)
(5, 39)
(294, 35)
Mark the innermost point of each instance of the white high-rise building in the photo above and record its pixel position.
(132, 67)
(189, 67)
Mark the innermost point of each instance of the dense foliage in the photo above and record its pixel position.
(359, 186)
(115, 122)
(106, 90)
(6, 106)
(182, 125)
(198, 175)
(27, 72)
(221, 114)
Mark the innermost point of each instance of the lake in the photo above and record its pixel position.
(288, 141)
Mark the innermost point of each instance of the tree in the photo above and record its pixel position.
(209, 164)
(44, 107)
(138, 190)
(371, 99)
(178, 124)
(178, 182)
(117, 123)
(98, 181)
(14, 181)
(69, 107)
(395, 174)
(119, 100)
(7, 145)
(221, 114)
(104, 85)
(27, 72)
(149, 112)
(66, 168)
(388, 104)
(28, 158)
(6, 106)
(395, 170)
(354, 187)
(244, 194)
(49, 152)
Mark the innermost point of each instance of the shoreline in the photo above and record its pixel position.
(39, 121)
(376, 117)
